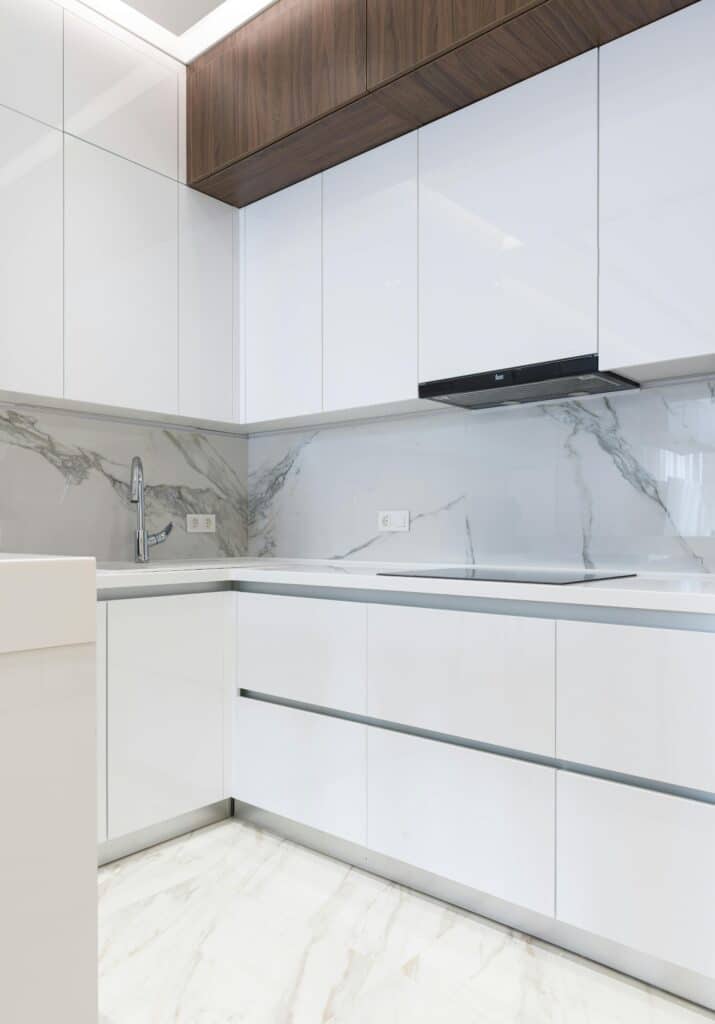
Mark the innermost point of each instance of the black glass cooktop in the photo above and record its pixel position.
(555, 576)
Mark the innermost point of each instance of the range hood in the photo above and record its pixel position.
(562, 378)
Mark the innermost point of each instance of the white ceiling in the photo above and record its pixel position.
(176, 15)
(181, 28)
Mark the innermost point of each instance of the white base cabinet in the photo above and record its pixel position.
(304, 766)
(638, 701)
(303, 649)
(475, 818)
(170, 669)
(637, 867)
(101, 722)
(488, 678)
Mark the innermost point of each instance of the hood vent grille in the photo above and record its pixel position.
(538, 382)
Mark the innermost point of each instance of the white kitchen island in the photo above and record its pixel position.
(48, 889)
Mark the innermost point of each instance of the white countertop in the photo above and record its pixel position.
(45, 601)
(649, 592)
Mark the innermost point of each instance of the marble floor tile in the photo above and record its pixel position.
(232, 924)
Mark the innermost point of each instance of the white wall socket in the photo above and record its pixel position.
(200, 523)
(395, 521)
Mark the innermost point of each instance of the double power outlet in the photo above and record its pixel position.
(199, 522)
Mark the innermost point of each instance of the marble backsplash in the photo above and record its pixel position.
(625, 481)
(64, 485)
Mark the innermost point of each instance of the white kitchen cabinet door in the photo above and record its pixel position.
(474, 818)
(638, 701)
(168, 661)
(282, 304)
(303, 766)
(121, 282)
(657, 197)
(508, 218)
(101, 721)
(120, 97)
(637, 867)
(206, 365)
(303, 649)
(30, 256)
(482, 677)
(31, 58)
(370, 277)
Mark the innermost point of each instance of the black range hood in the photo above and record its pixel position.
(538, 382)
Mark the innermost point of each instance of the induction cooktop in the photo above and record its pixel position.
(555, 576)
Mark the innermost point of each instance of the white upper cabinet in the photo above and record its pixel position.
(121, 295)
(370, 277)
(120, 97)
(657, 207)
(206, 365)
(508, 221)
(282, 304)
(31, 58)
(30, 256)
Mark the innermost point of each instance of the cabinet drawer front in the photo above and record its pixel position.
(303, 649)
(637, 867)
(475, 818)
(483, 677)
(167, 666)
(303, 766)
(637, 700)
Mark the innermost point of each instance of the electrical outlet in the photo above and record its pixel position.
(393, 521)
(200, 523)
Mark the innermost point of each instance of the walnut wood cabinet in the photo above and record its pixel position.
(308, 84)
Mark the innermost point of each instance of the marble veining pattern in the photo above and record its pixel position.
(64, 485)
(233, 924)
(624, 481)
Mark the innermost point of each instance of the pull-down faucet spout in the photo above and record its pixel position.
(143, 540)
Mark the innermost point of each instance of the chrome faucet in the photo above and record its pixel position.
(143, 540)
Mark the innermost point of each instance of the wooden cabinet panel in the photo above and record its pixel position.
(404, 33)
(300, 60)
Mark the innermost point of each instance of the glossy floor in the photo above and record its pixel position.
(233, 924)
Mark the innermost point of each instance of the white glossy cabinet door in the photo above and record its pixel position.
(370, 277)
(508, 217)
(475, 818)
(282, 304)
(206, 370)
(120, 97)
(31, 58)
(303, 649)
(101, 722)
(488, 678)
(168, 662)
(657, 203)
(303, 766)
(637, 867)
(638, 701)
(121, 282)
(30, 256)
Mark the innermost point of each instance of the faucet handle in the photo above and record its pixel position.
(159, 538)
